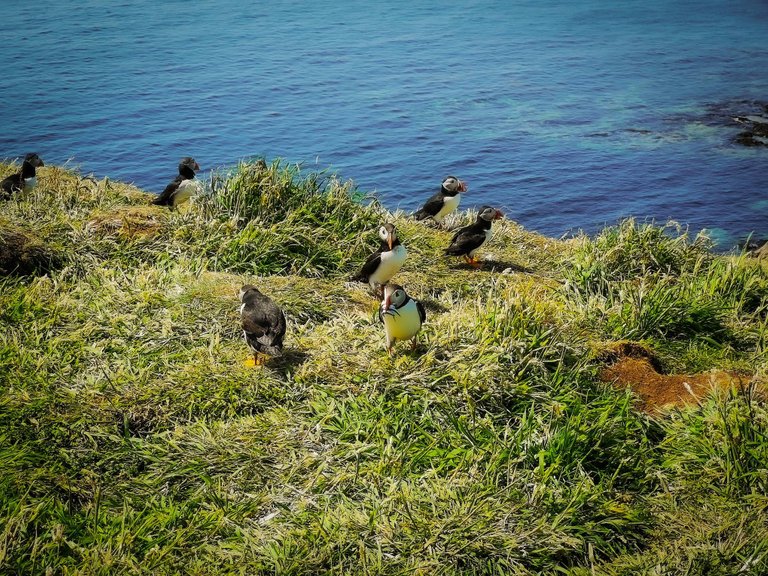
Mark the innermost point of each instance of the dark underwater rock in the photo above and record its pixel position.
(756, 124)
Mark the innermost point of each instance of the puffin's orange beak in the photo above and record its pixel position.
(389, 241)
(499, 214)
(462, 186)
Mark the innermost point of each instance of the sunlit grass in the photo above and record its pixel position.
(134, 438)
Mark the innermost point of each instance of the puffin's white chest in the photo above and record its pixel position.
(402, 323)
(450, 203)
(186, 189)
(391, 262)
(30, 183)
(487, 237)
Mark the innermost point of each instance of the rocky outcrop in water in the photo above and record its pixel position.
(756, 128)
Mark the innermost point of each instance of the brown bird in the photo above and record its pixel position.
(263, 323)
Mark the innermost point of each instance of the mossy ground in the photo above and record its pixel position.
(134, 439)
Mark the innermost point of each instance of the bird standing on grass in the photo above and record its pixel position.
(383, 264)
(402, 315)
(182, 187)
(468, 239)
(25, 179)
(443, 202)
(263, 323)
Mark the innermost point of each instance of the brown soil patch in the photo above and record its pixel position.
(657, 391)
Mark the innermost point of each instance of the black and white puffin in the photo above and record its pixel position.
(468, 239)
(182, 187)
(385, 262)
(263, 323)
(443, 202)
(402, 315)
(25, 179)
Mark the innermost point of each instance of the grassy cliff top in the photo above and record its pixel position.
(134, 439)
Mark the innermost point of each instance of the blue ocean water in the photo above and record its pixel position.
(567, 115)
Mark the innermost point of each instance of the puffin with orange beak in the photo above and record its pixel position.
(182, 187)
(385, 262)
(402, 315)
(468, 239)
(443, 202)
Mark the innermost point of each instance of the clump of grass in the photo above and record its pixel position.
(631, 250)
(23, 253)
(278, 218)
(642, 282)
(722, 447)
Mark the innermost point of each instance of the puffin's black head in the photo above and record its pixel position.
(453, 185)
(394, 295)
(188, 164)
(247, 289)
(33, 159)
(388, 234)
(489, 214)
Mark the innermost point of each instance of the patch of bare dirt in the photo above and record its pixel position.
(657, 391)
(635, 367)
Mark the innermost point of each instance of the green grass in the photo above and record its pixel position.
(134, 439)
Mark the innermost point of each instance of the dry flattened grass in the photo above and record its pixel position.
(127, 222)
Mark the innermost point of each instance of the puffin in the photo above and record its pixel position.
(263, 323)
(443, 202)
(25, 179)
(385, 262)
(468, 239)
(402, 315)
(181, 187)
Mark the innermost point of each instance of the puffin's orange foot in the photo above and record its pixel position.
(254, 361)
(473, 262)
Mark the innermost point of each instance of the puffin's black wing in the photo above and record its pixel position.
(264, 326)
(431, 207)
(369, 267)
(11, 184)
(166, 196)
(466, 240)
(422, 311)
(260, 320)
(280, 331)
(461, 232)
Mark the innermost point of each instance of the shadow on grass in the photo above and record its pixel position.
(498, 266)
(289, 360)
(432, 305)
